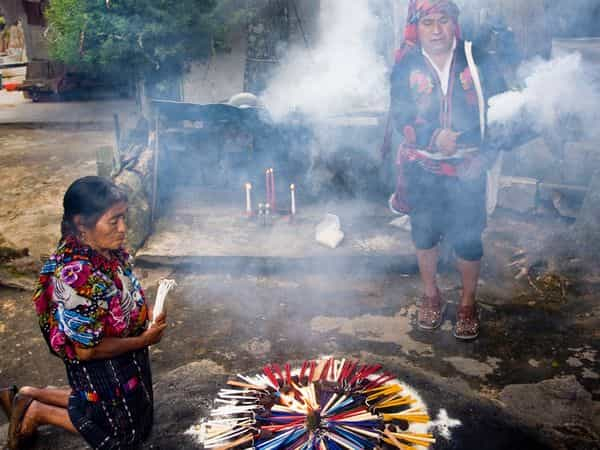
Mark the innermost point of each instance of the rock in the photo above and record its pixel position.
(587, 231)
(533, 160)
(182, 397)
(517, 194)
(105, 161)
(139, 216)
(560, 406)
(581, 160)
(565, 198)
(20, 273)
(9, 253)
(258, 347)
(144, 166)
(17, 269)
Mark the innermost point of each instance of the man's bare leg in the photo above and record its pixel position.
(467, 320)
(428, 262)
(469, 272)
(431, 309)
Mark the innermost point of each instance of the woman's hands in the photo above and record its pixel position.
(109, 347)
(155, 331)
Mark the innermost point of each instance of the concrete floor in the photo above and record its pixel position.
(234, 315)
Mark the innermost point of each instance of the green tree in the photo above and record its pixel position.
(152, 38)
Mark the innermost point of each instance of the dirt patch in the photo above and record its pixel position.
(37, 167)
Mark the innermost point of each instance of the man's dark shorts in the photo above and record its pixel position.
(450, 207)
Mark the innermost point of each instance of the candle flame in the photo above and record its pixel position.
(292, 187)
(248, 185)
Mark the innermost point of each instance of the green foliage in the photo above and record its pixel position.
(129, 37)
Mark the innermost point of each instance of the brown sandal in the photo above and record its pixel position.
(17, 440)
(7, 395)
(467, 323)
(431, 312)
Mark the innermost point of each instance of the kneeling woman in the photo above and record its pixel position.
(93, 315)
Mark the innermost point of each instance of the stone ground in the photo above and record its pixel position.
(14, 109)
(228, 318)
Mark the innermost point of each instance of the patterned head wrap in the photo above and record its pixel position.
(417, 9)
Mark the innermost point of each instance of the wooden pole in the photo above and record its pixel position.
(155, 171)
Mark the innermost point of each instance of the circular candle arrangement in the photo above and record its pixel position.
(325, 404)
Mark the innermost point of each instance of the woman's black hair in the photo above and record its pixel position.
(88, 197)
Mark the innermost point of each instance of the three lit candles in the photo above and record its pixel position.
(270, 188)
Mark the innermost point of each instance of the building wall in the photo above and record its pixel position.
(36, 47)
(528, 20)
(305, 25)
(217, 79)
(12, 10)
(254, 51)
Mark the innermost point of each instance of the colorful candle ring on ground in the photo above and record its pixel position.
(324, 404)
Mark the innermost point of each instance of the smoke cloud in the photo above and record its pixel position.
(553, 92)
(343, 72)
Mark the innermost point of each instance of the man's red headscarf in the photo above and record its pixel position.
(418, 9)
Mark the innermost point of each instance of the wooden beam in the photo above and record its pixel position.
(154, 211)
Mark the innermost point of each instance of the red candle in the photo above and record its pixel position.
(268, 185)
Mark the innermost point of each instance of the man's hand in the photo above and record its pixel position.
(446, 142)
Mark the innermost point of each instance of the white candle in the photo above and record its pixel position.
(293, 196)
(248, 199)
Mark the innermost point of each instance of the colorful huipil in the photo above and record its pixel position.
(420, 109)
(83, 297)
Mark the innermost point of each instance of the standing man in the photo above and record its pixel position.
(438, 106)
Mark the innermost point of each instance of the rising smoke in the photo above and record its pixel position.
(342, 73)
(346, 71)
(555, 92)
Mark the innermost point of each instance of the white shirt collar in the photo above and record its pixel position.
(444, 73)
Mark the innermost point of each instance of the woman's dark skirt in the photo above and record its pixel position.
(112, 401)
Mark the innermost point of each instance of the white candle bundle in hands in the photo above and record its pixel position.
(164, 286)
